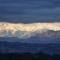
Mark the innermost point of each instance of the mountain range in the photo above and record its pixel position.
(28, 46)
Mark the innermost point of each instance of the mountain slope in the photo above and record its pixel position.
(18, 47)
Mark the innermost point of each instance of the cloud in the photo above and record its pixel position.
(24, 31)
(29, 10)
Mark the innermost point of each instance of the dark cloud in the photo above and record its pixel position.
(29, 10)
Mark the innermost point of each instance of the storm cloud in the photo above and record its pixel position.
(30, 10)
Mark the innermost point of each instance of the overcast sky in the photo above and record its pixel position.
(30, 10)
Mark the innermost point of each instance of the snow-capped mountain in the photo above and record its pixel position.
(24, 31)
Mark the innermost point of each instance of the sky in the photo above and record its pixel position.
(21, 19)
(28, 11)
